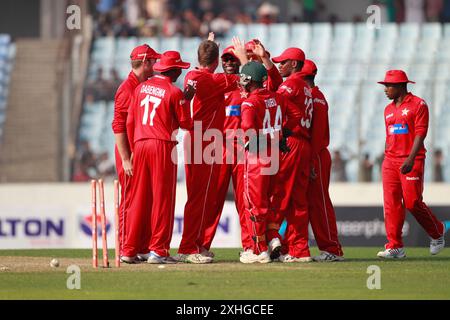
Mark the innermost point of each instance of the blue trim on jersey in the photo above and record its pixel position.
(233, 111)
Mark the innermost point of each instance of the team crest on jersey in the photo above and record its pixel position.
(244, 94)
(398, 129)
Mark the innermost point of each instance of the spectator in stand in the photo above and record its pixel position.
(171, 24)
(438, 170)
(104, 6)
(310, 10)
(365, 169)
(434, 9)
(446, 12)
(105, 166)
(267, 13)
(415, 11)
(191, 24)
(205, 26)
(338, 168)
(220, 25)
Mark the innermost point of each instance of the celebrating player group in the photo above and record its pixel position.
(267, 135)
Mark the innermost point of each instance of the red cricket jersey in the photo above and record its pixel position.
(298, 92)
(320, 130)
(268, 111)
(403, 124)
(122, 102)
(208, 104)
(233, 99)
(157, 110)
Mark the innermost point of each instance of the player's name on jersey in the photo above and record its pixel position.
(154, 91)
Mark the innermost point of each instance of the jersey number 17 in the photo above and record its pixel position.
(146, 104)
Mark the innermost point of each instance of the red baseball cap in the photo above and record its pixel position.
(144, 52)
(290, 54)
(309, 69)
(170, 60)
(395, 76)
(249, 46)
(229, 50)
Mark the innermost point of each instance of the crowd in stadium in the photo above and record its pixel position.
(196, 18)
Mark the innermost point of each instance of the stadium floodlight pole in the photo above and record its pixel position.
(94, 223)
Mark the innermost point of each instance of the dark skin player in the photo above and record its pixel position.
(398, 92)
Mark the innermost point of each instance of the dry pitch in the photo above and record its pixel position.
(27, 274)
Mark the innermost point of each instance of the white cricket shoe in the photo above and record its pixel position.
(250, 257)
(154, 258)
(398, 253)
(274, 248)
(327, 257)
(195, 258)
(287, 258)
(129, 260)
(436, 245)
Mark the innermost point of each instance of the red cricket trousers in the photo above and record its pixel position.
(234, 171)
(257, 192)
(290, 198)
(321, 212)
(152, 207)
(402, 192)
(201, 185)
(125, 189)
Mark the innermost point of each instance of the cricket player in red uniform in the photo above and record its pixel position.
(321, 212)
(406, 120)
(158, 109)
(208, 110)
(263, 114)
(234, 170)
(290, 192)
(142, 60)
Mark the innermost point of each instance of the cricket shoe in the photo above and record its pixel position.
(250, 257)
(327, 257)
(143, 256)
(207, 253)
(154, 258)
(129, 260)
(195, 258)
(274, 248)
(398, 253)
(436, 245)
(287, 258)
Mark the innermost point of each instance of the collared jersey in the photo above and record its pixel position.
(208, 105)
(403, 124)
(320, 130)
(298, 92)
(157, 110)
(122, 102)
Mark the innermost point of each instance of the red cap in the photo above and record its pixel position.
(395, 76)
(170, 60)
(144, 52)
(249, 46)
(229, 50)
(309, 69)
(290, 54)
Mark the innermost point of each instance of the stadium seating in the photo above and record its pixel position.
(7, 52)
(350, 58)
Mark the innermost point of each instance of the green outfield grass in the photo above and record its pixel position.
(26, 274)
